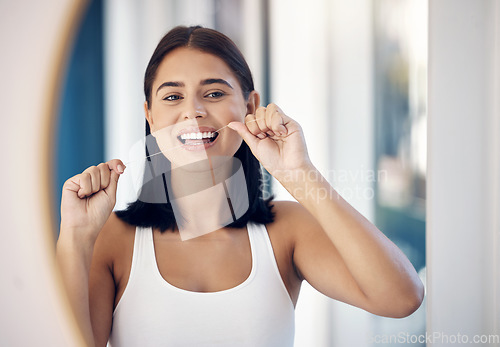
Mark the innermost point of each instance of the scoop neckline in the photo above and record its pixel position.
(249, 278)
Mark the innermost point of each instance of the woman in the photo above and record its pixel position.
(139, 277)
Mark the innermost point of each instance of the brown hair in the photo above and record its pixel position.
(160, 215)
(206, 40)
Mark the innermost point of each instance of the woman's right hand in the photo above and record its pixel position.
(88, 199)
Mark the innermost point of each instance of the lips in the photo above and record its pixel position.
(197, 138)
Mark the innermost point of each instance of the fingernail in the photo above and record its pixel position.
(120, 168)
(261, 136)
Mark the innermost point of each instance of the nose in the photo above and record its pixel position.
(193, 109)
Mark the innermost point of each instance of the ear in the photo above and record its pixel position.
(149, 117)
(253, 102)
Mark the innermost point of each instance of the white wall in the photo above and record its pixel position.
(321, 75)
(351, 145)
(463, 168)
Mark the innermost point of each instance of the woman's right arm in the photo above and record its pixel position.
(87, 202)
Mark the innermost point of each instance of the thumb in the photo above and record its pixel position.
(243, 131)
(113, 183)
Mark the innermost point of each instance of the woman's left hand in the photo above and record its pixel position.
(275, 139)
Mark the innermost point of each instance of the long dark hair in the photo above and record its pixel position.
(161, 215)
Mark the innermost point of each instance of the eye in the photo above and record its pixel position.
(172, 97)
(215, 95)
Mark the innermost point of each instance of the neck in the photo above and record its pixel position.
(199, 195)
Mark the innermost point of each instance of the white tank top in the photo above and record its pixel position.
(152, 312)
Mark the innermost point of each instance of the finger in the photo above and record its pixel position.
(244, 132)
(260, 116)
(84, 181)
(272, 111)
(95, 178)
(277, 123)
(105, 174)
(113, 183)
(116, 165)
(251, 125)
(72, 184)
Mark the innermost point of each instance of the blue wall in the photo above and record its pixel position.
(80, 134)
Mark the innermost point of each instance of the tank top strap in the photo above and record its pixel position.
(143, 259)
(263, 250)
(256, 235)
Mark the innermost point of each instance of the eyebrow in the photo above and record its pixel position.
(215, 80)
(169, 84)
(203, 83)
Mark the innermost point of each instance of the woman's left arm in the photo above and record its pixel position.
(370, 271)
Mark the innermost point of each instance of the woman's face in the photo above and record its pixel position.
(193, 95)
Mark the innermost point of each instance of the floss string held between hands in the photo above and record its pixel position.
(152, 155)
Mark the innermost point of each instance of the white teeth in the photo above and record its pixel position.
(197, 136)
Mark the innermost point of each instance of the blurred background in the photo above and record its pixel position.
(352, 73)
(400, 105)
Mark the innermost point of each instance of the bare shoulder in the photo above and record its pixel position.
(295, 224)
(292, 224)
(290, 217)
(284, 207)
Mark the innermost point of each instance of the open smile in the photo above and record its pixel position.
(199, 138)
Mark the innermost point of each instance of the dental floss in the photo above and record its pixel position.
(152, 155)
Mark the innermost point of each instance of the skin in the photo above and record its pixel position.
(324, 241)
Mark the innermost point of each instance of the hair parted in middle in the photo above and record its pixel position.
(161, 215)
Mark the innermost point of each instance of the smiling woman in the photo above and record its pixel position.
(196, 96)
(135, 278)
(180, 91)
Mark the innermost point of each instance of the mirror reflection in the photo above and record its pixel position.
(336, 122)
